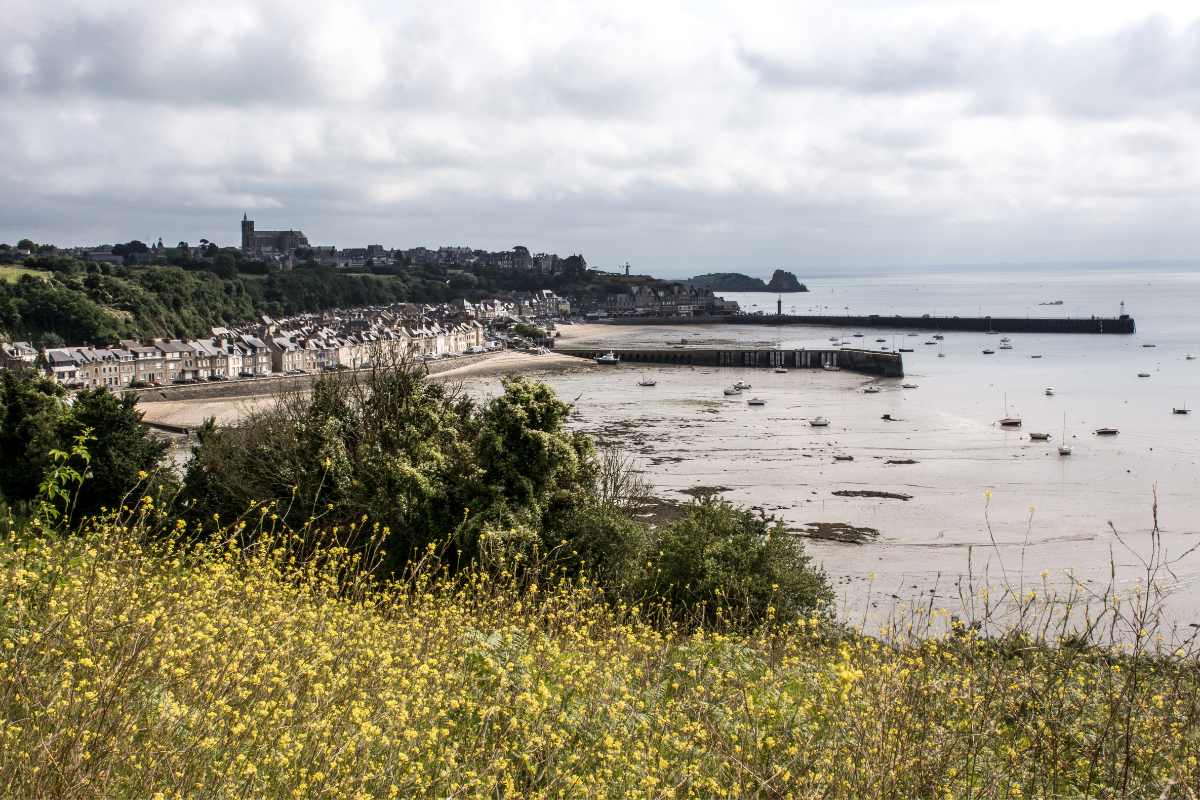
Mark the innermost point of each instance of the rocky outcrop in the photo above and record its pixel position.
(785, 282)
(737, 282)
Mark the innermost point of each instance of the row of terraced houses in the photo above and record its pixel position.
(307, 344)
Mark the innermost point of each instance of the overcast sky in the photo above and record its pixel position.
(680, 137)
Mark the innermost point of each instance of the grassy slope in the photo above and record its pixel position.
(130, 670)
(8, 272)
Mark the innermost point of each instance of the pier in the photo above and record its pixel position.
(1123, 324)
(884, 365)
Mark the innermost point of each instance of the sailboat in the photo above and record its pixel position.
(646, 381)
(1183, 410)
(1009, 422)
(941, 349)
(1064, 449)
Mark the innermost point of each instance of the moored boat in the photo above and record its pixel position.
(1106, 431)
(608, 359)
(754, 401)
(818, 422)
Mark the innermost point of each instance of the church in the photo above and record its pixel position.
(268, 244)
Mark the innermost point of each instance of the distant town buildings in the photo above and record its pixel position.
(331, 340)
(669, 301)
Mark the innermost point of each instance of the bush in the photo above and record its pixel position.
(729, 564)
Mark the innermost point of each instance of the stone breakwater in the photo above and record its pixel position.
(977, 324)
(885, 365)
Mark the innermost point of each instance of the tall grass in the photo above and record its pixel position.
(134, 665)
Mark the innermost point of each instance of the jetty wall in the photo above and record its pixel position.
(885, 365)
(876, 322)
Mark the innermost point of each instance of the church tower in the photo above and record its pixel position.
(247, 233)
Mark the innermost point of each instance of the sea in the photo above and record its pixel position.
(968, 497)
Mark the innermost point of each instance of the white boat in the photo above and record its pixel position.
(1049, 390)
(858, 336)
(608, 359)
(1005, 339)
(1009, 422)
(1106, 431)
(908, 386)
(742, 385)
(832, 368)
(644, 382)
(1006, 347)
(834, 339)
(733, 390)
(1041, 437)
(782, 370)
(931, 341)
(989, 352)
(818, 422)
(870, 389)
(754, 401)
(1191, 357)
(1064, 449)
(936, 336)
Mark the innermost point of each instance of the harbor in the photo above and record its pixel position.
(866, 362)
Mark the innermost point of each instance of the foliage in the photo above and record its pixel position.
(134, 664)
(529, 331)
(414, 456)
(36, 422)
(721, 560)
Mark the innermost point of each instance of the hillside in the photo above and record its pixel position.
(64, 301)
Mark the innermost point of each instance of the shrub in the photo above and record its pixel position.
(726, 563)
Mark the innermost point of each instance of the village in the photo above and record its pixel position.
(308, 343)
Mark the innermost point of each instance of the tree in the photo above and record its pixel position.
(129, 248)
(35, 419)
(27, 244)
(122, 449)
(225, 266)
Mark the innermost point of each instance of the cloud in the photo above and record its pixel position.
(685, 134)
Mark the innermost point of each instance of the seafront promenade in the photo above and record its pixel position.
(876, 322)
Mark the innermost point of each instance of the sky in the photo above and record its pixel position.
(681, 138)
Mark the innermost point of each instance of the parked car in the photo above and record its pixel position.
(156, 383)
(217, 378)
(245, 374)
